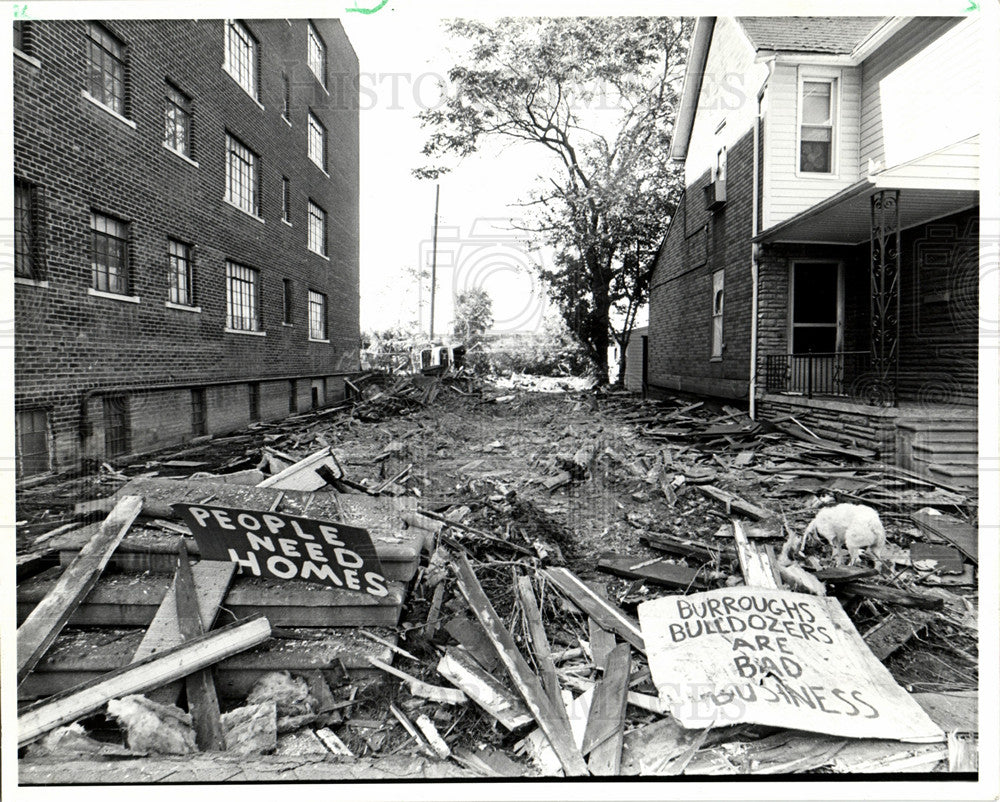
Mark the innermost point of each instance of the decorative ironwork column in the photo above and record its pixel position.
(885, 269)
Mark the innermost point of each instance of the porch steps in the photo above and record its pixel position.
(946, 449)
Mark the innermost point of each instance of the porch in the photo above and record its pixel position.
(868, 324)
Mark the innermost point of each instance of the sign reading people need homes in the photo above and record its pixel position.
(287, 546)
(776, 658)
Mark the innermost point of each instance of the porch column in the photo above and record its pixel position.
(885, 269)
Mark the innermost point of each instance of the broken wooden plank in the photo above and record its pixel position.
(605, 613)
(46, 621)
(484, 689)
(757, 568)
(891, 595)
(539, 641)
(893, 632)
(302, 474)
(602, 642)
(418, 687)
(203, 702)
(655, 571)
(605, 732)
(474, 641)
(733, 502)
(412, 731)
(961, 535)
(551, 719)
(686, 548)
(433, 737)
(154, 671)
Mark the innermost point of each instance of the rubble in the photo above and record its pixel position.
(521, 526)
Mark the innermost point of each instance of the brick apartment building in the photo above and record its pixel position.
(823, 262)
(186, 230)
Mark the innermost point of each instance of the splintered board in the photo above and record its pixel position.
(655, 571)
(80, 655)
(132, 600)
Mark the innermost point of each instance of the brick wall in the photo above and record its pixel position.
(80, 157)
(698, 243)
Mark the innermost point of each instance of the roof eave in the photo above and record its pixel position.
(694, 74)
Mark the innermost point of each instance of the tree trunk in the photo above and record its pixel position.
(601, 326)
(622, 361)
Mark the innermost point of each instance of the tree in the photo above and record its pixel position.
(473, 316)
(601, 95)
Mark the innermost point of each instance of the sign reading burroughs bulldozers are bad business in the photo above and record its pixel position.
(287, 546)
(776, 658)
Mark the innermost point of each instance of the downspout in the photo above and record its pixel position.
(755, 247)
(754, 267)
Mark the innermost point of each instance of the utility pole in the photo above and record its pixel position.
(434, 255)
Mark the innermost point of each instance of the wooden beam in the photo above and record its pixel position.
(605, 613)
(302, 475)
(734, 502)
(483, 688)
(961, 535)
(605, 732)
(757, 569)
(655, 571)
(539, 641)
(46, 621)
(145, 675)
(203, 702)
(551, 718)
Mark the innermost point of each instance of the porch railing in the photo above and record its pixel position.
(834, 373)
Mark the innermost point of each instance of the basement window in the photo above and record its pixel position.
(199, 412)
(32, 446)
(116, 431)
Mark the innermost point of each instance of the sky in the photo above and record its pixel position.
(404, 62)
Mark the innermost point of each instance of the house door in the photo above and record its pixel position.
(816, 327)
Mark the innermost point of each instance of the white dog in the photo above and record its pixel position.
(853, 526)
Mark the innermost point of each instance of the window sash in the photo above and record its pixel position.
(718, 307)
(32, 441)
(317, 229)
(286, 300)
(286, 200)
(317, 141)
(178, 121)
(286, 89)
(109, 254)
(317, 55)
(241, 56)
(241, 176)
(181, 284)
(241, 298)
(107, 68)
(817, 124)
(24, 231)
(317, 316)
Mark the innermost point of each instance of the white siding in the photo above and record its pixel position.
(786, 193)
(728, 92)
(922, 90)
(953, 167)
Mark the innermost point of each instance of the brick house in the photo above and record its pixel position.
(186, 230)
(824, 262)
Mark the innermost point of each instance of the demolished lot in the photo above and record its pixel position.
(576, 582)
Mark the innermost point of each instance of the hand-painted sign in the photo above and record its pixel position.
(777, 658)
(287, 546)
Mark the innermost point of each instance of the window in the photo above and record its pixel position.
(719, 174)
(816, 127)
(253, 390)
(293, 398)
(26, 251)
(116, 425)
(317, 229)
(286, 94)
(286, 301)
(21, 37)
(286, 200)
(199, 416)
(32, 441)
(179, 273)
(816, 310)
(317, 141)
(718, 304)
(241, 298)
(317, 54)
(109, 253)
(241, 176)
(241, 56)
(106, 79)
(178, 119)
(317, 316)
